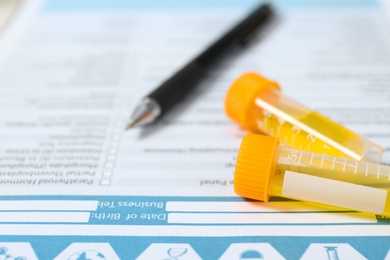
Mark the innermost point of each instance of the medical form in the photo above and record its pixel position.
(73, 179)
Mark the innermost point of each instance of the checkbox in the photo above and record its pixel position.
(107, 173)
(109, 165)
(105, 182)
(110, 158)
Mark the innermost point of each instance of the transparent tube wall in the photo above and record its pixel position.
(331, 180)
(302, 128)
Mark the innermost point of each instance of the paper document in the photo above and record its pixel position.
(75, 185)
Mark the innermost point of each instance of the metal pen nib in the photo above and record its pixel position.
(147, 111)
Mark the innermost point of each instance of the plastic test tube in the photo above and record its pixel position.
(264, 168)
(259, 105)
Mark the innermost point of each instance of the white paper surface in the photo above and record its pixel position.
(71, 80)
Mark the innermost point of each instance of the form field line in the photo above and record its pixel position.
(44, 217)
(244, 206)
(48, 205)
(271, 218)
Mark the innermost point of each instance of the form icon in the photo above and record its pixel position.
(329, 251)
(251, 255)
(332, 252)
(169, 251)
(175, 253)
(251, 251)
(87, 255)
(88, 251)
(5, 256)
(17, 251)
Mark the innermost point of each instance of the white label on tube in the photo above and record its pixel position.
(337, 193)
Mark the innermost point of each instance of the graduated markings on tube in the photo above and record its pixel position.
(377, 173)
(389, 174)
(300, 156)
(343, 194)
(273, 110)
(334, 161)
(281, 122)
(297, 130)
(345, 163)
(322, 160)
(311, 158)
(292, 140)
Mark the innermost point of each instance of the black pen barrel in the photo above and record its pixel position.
(235, 35)
(184, 80)
(176, 87)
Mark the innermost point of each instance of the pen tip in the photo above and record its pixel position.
(133, 123)
(129, 126)
(146, 112)
(138, 121)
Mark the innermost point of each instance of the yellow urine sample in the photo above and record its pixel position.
(260, 106)
(264, 169)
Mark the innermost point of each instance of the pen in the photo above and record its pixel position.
(183, 81)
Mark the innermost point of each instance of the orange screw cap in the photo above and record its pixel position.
(254, 166)
(241, 96)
